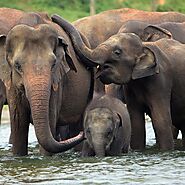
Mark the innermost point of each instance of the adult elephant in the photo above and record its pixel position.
(153, 75)
(44, 79)
(150, 33)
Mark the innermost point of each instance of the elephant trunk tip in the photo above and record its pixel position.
(80, 137)
(62, 146)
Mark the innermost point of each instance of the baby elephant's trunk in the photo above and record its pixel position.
(99, 147)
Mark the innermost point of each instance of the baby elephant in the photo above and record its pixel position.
(107, 127)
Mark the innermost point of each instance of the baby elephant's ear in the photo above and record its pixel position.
(153, 33)
(119, 120)
(146, 65)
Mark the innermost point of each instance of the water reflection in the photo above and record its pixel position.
(150, 167)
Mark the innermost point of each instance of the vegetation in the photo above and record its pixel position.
(75, 9)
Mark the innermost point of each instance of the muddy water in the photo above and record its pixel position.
(149, 167)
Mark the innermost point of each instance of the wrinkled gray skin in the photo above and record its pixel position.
(45, 83)
(148, 32)
(107, 127)
(153, 75)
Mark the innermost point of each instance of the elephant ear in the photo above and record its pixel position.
(68, 57)
(118, 124)
(153, 33)
(5, 70)
(64, 62)
(120, 120)
(146, 64)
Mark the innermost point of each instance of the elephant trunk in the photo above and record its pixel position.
(84, 53)
(99, 150)
(38, 93)
(99, 145)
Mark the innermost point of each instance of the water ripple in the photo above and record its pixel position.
(149, 167)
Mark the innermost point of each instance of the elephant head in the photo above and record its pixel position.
(126, 58)
(35, 62)
(101, 126)
(121, 58)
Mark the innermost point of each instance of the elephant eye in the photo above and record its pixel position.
(18, 66)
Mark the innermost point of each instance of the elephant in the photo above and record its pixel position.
(45, 82)
(107, 127)
(112, 20)
(149, 33)
(153, 77)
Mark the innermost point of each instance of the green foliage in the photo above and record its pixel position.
(173, 5)
(75, 9)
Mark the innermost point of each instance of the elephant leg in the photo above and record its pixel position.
(87, 150)
(161, 120)
(138, 137)
(19, 115)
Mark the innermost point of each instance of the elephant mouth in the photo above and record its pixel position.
(104, 72)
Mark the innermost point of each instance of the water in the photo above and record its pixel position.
(149, 167)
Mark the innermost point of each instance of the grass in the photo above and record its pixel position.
(75, 9)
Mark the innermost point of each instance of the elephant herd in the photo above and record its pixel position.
(53, 74)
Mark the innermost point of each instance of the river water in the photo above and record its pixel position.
(149, 167)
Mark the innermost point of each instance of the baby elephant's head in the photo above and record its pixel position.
(101, 126)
